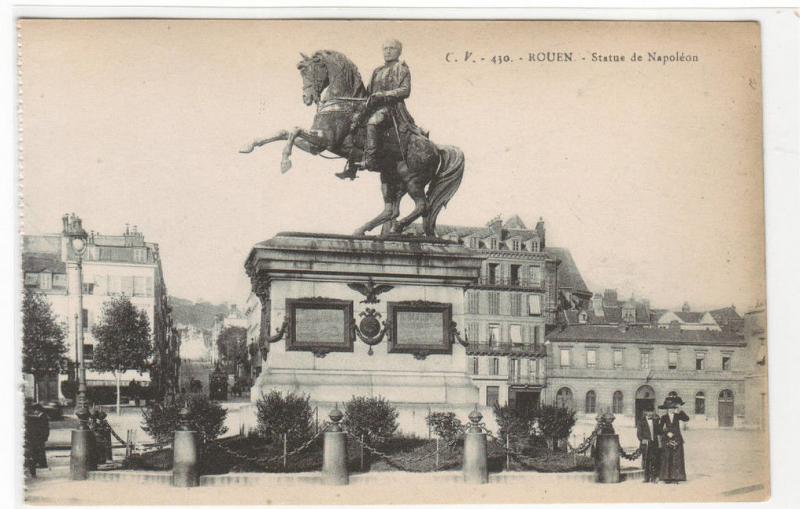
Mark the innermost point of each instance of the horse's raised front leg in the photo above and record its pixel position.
(281, 135)
(305, 141)
(386, 215)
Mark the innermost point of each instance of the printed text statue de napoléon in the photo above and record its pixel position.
(372, 129)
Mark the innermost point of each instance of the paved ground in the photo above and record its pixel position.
(722, 465)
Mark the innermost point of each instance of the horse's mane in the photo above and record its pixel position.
(343, 75)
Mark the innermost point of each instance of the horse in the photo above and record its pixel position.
(409, 161)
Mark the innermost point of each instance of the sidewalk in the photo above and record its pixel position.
(722, 465)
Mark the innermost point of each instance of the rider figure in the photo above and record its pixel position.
(389, 86)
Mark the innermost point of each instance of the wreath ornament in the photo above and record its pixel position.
(369, 329)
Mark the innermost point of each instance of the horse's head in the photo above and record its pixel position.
(315, 78)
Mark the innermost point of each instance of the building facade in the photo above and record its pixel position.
(755, 383)
(512, 306)
(113, 265)
(629, 369)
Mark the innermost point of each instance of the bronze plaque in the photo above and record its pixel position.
(420, 327)
(316, 324)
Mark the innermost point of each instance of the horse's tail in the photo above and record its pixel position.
(445, 183)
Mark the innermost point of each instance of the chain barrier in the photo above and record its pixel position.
(265, 462)
(585, 445)
(632, 456)
(497, 442)
(406, 465)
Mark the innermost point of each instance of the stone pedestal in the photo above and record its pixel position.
(354, 316)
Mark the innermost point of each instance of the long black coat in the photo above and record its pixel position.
(649, 442)
(673, 467)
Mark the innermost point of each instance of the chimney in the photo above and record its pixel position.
(540, 231)
(495, 224)
(685, 308)
(610, 298)
(597, 305)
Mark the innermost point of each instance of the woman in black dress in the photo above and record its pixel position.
(673, 468)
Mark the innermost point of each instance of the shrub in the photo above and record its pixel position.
(372, 418)
(205, 416)
(291, 415)
(555, 422)
(445, 425)
(514, 425)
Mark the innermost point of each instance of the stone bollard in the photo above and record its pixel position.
(334, 453)
(82, 457)
(185, 457)
(607, 451)
(476, 470)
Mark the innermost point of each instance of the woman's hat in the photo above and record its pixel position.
(669, 402)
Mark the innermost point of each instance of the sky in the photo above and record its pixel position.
(649, 173)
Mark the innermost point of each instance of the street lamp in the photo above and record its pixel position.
(82, 457)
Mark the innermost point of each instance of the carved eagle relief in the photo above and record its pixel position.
(370, 290)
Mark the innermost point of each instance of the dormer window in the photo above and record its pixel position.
(493, 243)
(473, 242)
(535, 245)
(515, 245)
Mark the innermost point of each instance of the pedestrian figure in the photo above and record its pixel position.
(37, 431)
(648, 431)
(673, 468)
(96, 425)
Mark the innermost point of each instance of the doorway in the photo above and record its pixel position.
(524, 401)
(725, 409)
(645, 400)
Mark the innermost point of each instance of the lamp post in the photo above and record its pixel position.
(82, 458)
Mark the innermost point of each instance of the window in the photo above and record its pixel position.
(494, 366)
(515, 333)
(536, 274)
(472, 302)
(494, 303)
(45, 280)
(473, 334)
(583, 317)
(644, 360)
(492, 395)
(139, 286)
(565, 360)
(59, 280)
(591, 402)
(516, 304)
(726, 362)
(475, 367)
(513, 369)
(564, 398)
(473, 242)
(127, 285)
(491, 272)
(591, 358)
(700, 403)
(536, 245)
(139, 255)
(535, 305)
(88, 352)
(85, 318)
(616, 403)
(494, 333)
(31, 279)
(537, 337)
(514, 274)
(672, 359)
(700, 361)
(628, 315)
(493, 243)
(88, 288)
(515, 245)
(617, 359)
(114, 285)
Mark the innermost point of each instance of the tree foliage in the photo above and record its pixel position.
(232, 347)
(205, 416)
(445, 425)
(290, 414)
(373, 418)
(123, 337)
(43, 344)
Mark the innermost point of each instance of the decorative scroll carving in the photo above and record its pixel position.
(260, 287)
(280, 331)
(455, 335)
(420, 356)
(370, 290)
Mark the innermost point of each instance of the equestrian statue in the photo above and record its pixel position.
(372, 130)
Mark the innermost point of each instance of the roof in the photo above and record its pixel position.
(644, 335)
(43, 262)
(514, 223)
(568, 274)
(689, 316)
